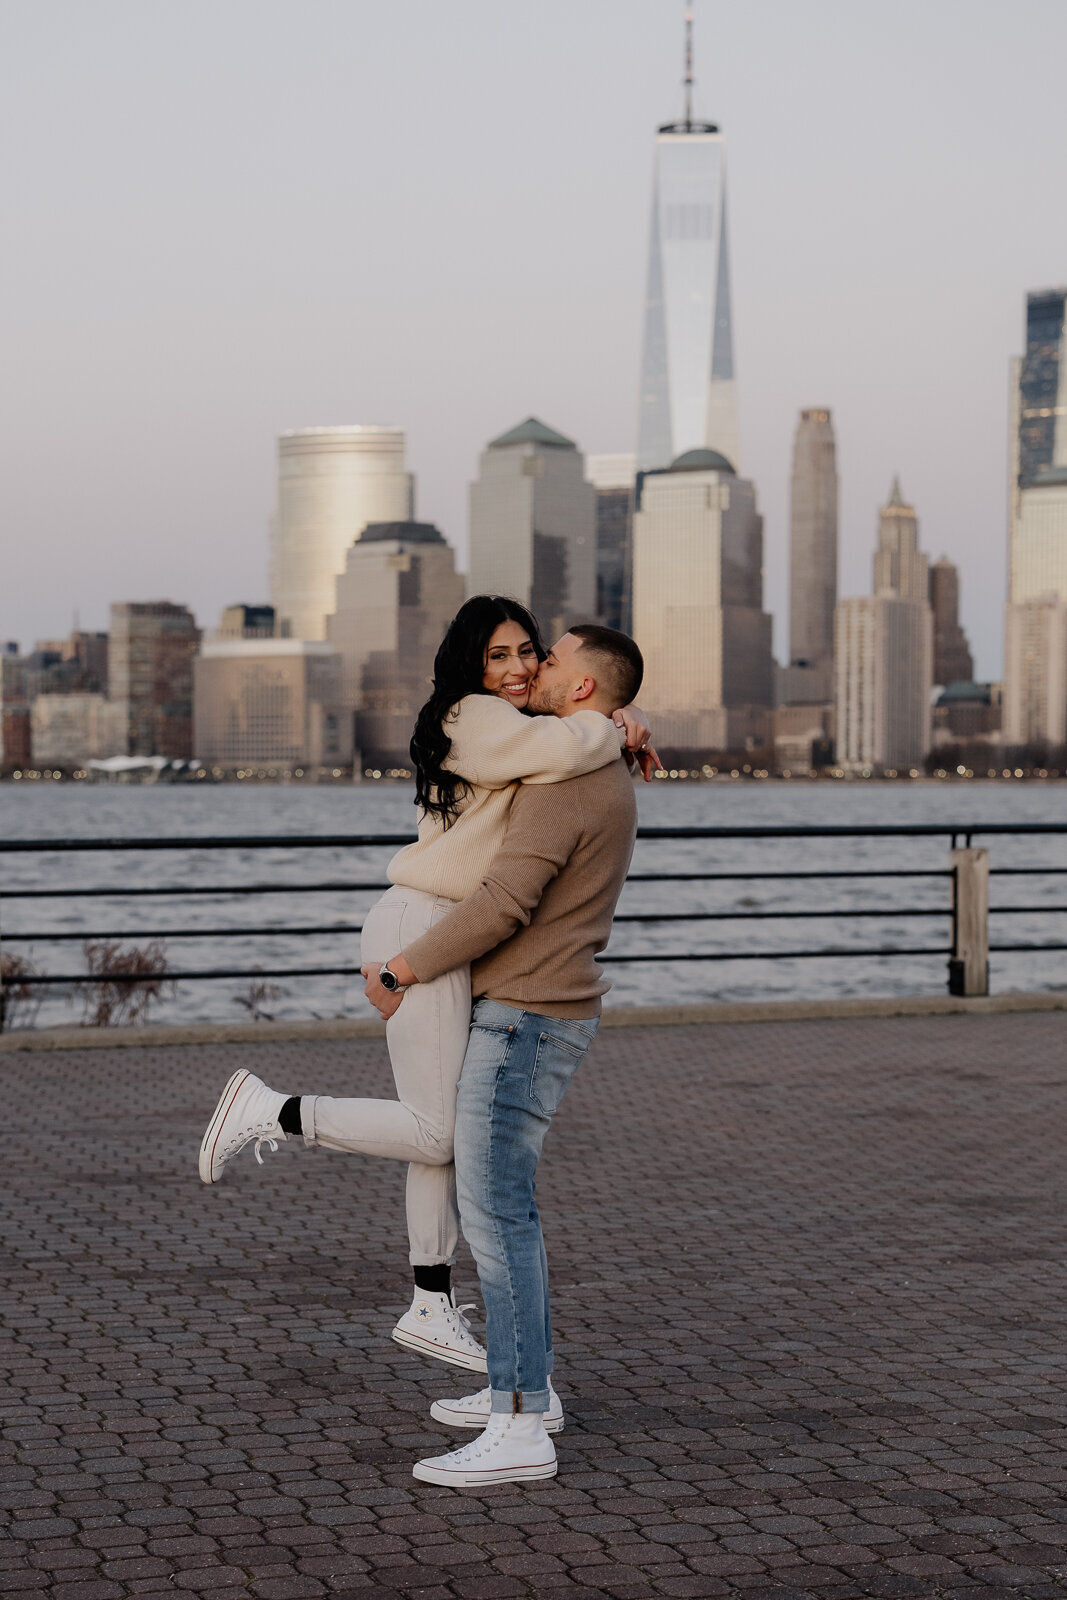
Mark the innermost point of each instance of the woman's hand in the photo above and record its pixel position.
(385, 1001)
(647, 760)
(638, 747)
(634, 721)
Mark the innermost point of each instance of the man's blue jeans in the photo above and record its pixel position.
(515, 1073)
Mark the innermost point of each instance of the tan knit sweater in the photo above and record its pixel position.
(535, 926)
(495, 748)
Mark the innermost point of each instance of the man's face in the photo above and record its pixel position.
(560, 673)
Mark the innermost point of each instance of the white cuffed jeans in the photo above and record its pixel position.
(427, 1038)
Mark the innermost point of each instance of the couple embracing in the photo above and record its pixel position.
(482, 959)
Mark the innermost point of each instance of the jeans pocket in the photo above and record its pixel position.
(554, 1066)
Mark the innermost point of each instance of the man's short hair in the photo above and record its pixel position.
(619, 666)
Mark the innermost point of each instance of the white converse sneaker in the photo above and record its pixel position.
(511, 1450)
(474, 1411)
(436, 1326)
(246, 1110)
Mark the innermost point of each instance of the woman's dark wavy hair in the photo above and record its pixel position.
(458, 669)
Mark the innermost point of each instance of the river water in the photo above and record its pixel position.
(41, 811)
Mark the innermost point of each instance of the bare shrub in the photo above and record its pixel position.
(259, 994)
(109, 1002)
(19, 1001)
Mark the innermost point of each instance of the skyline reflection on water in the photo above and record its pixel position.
(79, 811)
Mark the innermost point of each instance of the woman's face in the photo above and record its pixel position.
(510, 663)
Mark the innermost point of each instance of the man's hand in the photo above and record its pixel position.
(385, 1001)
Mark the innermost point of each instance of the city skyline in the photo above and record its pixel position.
(168, 304)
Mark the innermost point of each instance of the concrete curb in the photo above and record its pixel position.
(614, 1017)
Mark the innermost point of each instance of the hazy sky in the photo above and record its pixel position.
(226, 218)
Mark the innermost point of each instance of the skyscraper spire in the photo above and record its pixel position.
(688, 67)
(688, 396)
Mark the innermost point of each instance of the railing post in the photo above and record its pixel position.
(968, 967)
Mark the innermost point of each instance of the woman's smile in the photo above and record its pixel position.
(510, 663)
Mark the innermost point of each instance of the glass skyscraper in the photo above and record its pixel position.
(688, 394)
(1043, 386)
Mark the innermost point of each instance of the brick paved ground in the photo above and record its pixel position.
(808, 1285)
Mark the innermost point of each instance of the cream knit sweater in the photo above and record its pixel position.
(495, 748)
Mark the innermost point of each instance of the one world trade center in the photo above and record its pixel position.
(688, 393)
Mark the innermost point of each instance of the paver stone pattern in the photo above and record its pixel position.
(808, 1289)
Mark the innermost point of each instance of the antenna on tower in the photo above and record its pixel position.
(688, 66)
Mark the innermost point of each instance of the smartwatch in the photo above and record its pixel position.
(389, 980)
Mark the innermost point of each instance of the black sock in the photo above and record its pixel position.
(434, 1280)
(289, 1116)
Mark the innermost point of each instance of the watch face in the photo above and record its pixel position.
(388, 979)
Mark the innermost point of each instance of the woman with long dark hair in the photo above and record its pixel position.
(471, 747)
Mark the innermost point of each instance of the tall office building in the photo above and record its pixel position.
(1037, 582)
(150, 674)
(953, 662)
(1041, 388)
(395, 598)
(899, 565)
(1039, 543)
(688, 395)
(613, 477)
(812, 557)
(269, 701)
(698, 605)
(1035, 671)
(533, 526)
(883, 648)
(884, 652)
(331, 483)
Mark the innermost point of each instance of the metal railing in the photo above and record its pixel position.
(967, 908)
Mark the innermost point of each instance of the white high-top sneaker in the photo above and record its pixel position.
(436, 1326)
(474, 1411)
(247, 1110)
(512, 1449)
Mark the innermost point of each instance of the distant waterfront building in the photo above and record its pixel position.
(14, 709)
(612, 476)
(812, 558)
(1035, 672)
(69, 666)
(247, 622)
(67, 730)
(331, 483)
(803, 736)
(152, 644)
(883, 651)
(274, 702)
(967, 712)
(533, 526)
(688, 395)
(899, 565)
(395, 598)
(953, 662)
(698, 605)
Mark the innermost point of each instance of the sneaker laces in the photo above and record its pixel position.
(460, 1324)
(265, 1138)
(477, 1448)
(262, 1135)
